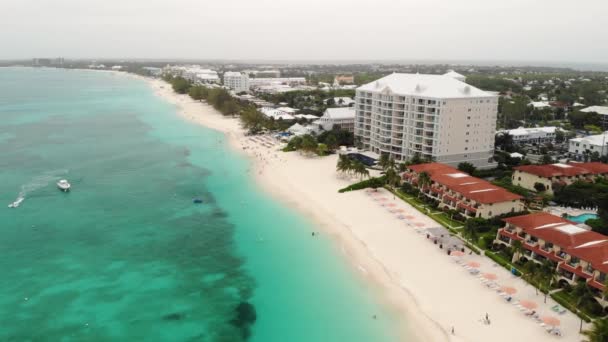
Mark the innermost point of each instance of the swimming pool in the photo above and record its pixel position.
(582, 218)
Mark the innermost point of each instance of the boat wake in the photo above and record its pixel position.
(36, 183)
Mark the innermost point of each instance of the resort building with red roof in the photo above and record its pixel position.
(554, 175)
(454, 189)
(577, 253)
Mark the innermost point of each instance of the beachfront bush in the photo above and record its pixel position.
(562, 298)
(375, 182)
(500, 260)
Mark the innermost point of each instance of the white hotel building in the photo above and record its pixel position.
(438, 117)
(237, 81)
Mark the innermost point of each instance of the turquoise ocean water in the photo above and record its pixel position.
(126, 255)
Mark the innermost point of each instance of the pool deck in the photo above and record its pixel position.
(559, 211)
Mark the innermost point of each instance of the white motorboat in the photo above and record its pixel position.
(16, 203)
(64, 185)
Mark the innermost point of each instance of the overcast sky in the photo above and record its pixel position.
(506, 30)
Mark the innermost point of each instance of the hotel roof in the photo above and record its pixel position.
(574, 240)
(597, 140)
(602, 110)
(339, 113)
(433, 86)
(470, 187)
(570, 169)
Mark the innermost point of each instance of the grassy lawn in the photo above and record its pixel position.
(437, 216)
(569, 302)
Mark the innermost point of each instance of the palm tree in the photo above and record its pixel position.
(360, 169)
(518, 249)
(470, 231)
(383, 161)
(598, 331)
(344, 163)
(392, 177)
(423, 179)
(547, 276)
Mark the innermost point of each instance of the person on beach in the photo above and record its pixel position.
(452, 330)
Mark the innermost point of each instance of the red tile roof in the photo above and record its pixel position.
(555, 170)
(583, 244)
(470, 187)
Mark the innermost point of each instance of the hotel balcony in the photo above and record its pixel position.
(596, 284)
(511, 235)
(546, 255)
(574, 270)
(468, 208)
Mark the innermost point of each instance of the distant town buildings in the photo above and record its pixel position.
(340, 102)
(48, 62)
(533, 135)
(344, 79)
(267, 73)
(578, 147)
(556, 175)
(277, 85)
(343, 118)
(602, 111)
(437, 117)
(282, 113)
(456, 190)
(193, 73)
(153, 71)
(237, 81)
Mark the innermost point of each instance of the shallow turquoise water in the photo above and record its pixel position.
(582, 218)
(127, 255)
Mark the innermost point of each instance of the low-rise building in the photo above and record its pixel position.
(237, 81)
(575, 252)
(533, 135)
(344, 118)
(454, 189)
(553, 176)
(193, 73)
(260, 82)
(602, 111)
(341, 101)
(344, 79)
(578, 147)
(277, 113)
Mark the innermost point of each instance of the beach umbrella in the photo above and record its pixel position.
(391, 204)
(400, 210)
(508, 290)
(550, 320)
(418, 224)
(473, 264)
(457, 253)
(489, 276)
(409, 217)
(400, 217)
(530, 305)
(382, 199)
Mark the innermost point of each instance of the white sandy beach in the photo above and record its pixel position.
(429, 289)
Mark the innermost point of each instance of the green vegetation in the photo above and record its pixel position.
(492, 83)
(376, 182)
(467, 167)
(502, 260)
(598, 331)
(351, 166)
